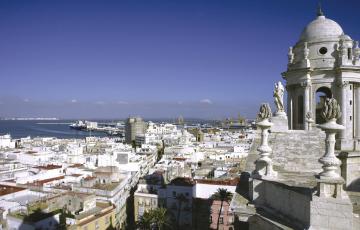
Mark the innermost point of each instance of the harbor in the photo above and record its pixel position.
(112, 129)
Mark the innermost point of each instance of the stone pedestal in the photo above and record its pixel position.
(330, 188)
(280, 122)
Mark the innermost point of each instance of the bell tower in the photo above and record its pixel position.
(324, 63)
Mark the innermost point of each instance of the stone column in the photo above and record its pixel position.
(289, 106)
(356, 104)
(343, 100)
(306, 85)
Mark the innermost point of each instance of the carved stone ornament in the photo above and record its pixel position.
(264, 112)
(342, 84)
(306, 50)
(331, 110)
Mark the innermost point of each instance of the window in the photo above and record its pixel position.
(69, 202)
(210, 219)
(230, 219)
(323, 50)
(350, 102)
(186, 194)
(300, 109)
(349, 53)
(221, 220)
(174, 194)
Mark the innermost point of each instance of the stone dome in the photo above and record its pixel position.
(321, 28)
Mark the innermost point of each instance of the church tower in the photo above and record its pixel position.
(324, 63)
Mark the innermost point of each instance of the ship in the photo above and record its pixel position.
(78, 125)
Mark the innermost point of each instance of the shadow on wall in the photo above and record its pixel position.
(242, 187)
(354, 186)
(130, 216)
(201, 213)
(268, 191)
(42, 220)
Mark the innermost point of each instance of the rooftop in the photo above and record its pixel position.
(6, 189)
(42, 182)
(182, 181)
(230, 182)
(48, 167)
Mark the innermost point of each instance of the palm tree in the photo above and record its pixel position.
(145, 221)
(161, 218)
(154, 219)
(222, 194)
(181, 199)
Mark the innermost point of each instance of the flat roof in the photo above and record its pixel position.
(7, 189)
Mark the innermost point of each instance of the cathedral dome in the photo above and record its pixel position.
(321, 28)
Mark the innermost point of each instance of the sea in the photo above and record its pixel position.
(43, 128)
(60, 128)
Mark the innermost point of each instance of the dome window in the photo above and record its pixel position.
(323, 50)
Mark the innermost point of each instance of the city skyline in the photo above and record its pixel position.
(90, 59)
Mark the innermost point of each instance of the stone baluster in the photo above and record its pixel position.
(309, 121)
(330, 163)
(264, 163)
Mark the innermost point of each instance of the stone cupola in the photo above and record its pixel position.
(324, 63)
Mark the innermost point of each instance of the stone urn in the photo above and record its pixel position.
(329, 161)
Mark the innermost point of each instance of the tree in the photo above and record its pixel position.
(181, 199)
(145, 221)
(133, 144)
(222, 194)
(154, 219)
(161, 150)
(161, 218)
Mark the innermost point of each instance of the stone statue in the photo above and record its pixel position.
(278, 97)
(356, 51)
(291, 55)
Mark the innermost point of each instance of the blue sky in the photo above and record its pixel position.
(112, 59)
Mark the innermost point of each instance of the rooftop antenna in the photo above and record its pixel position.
(319, 11)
